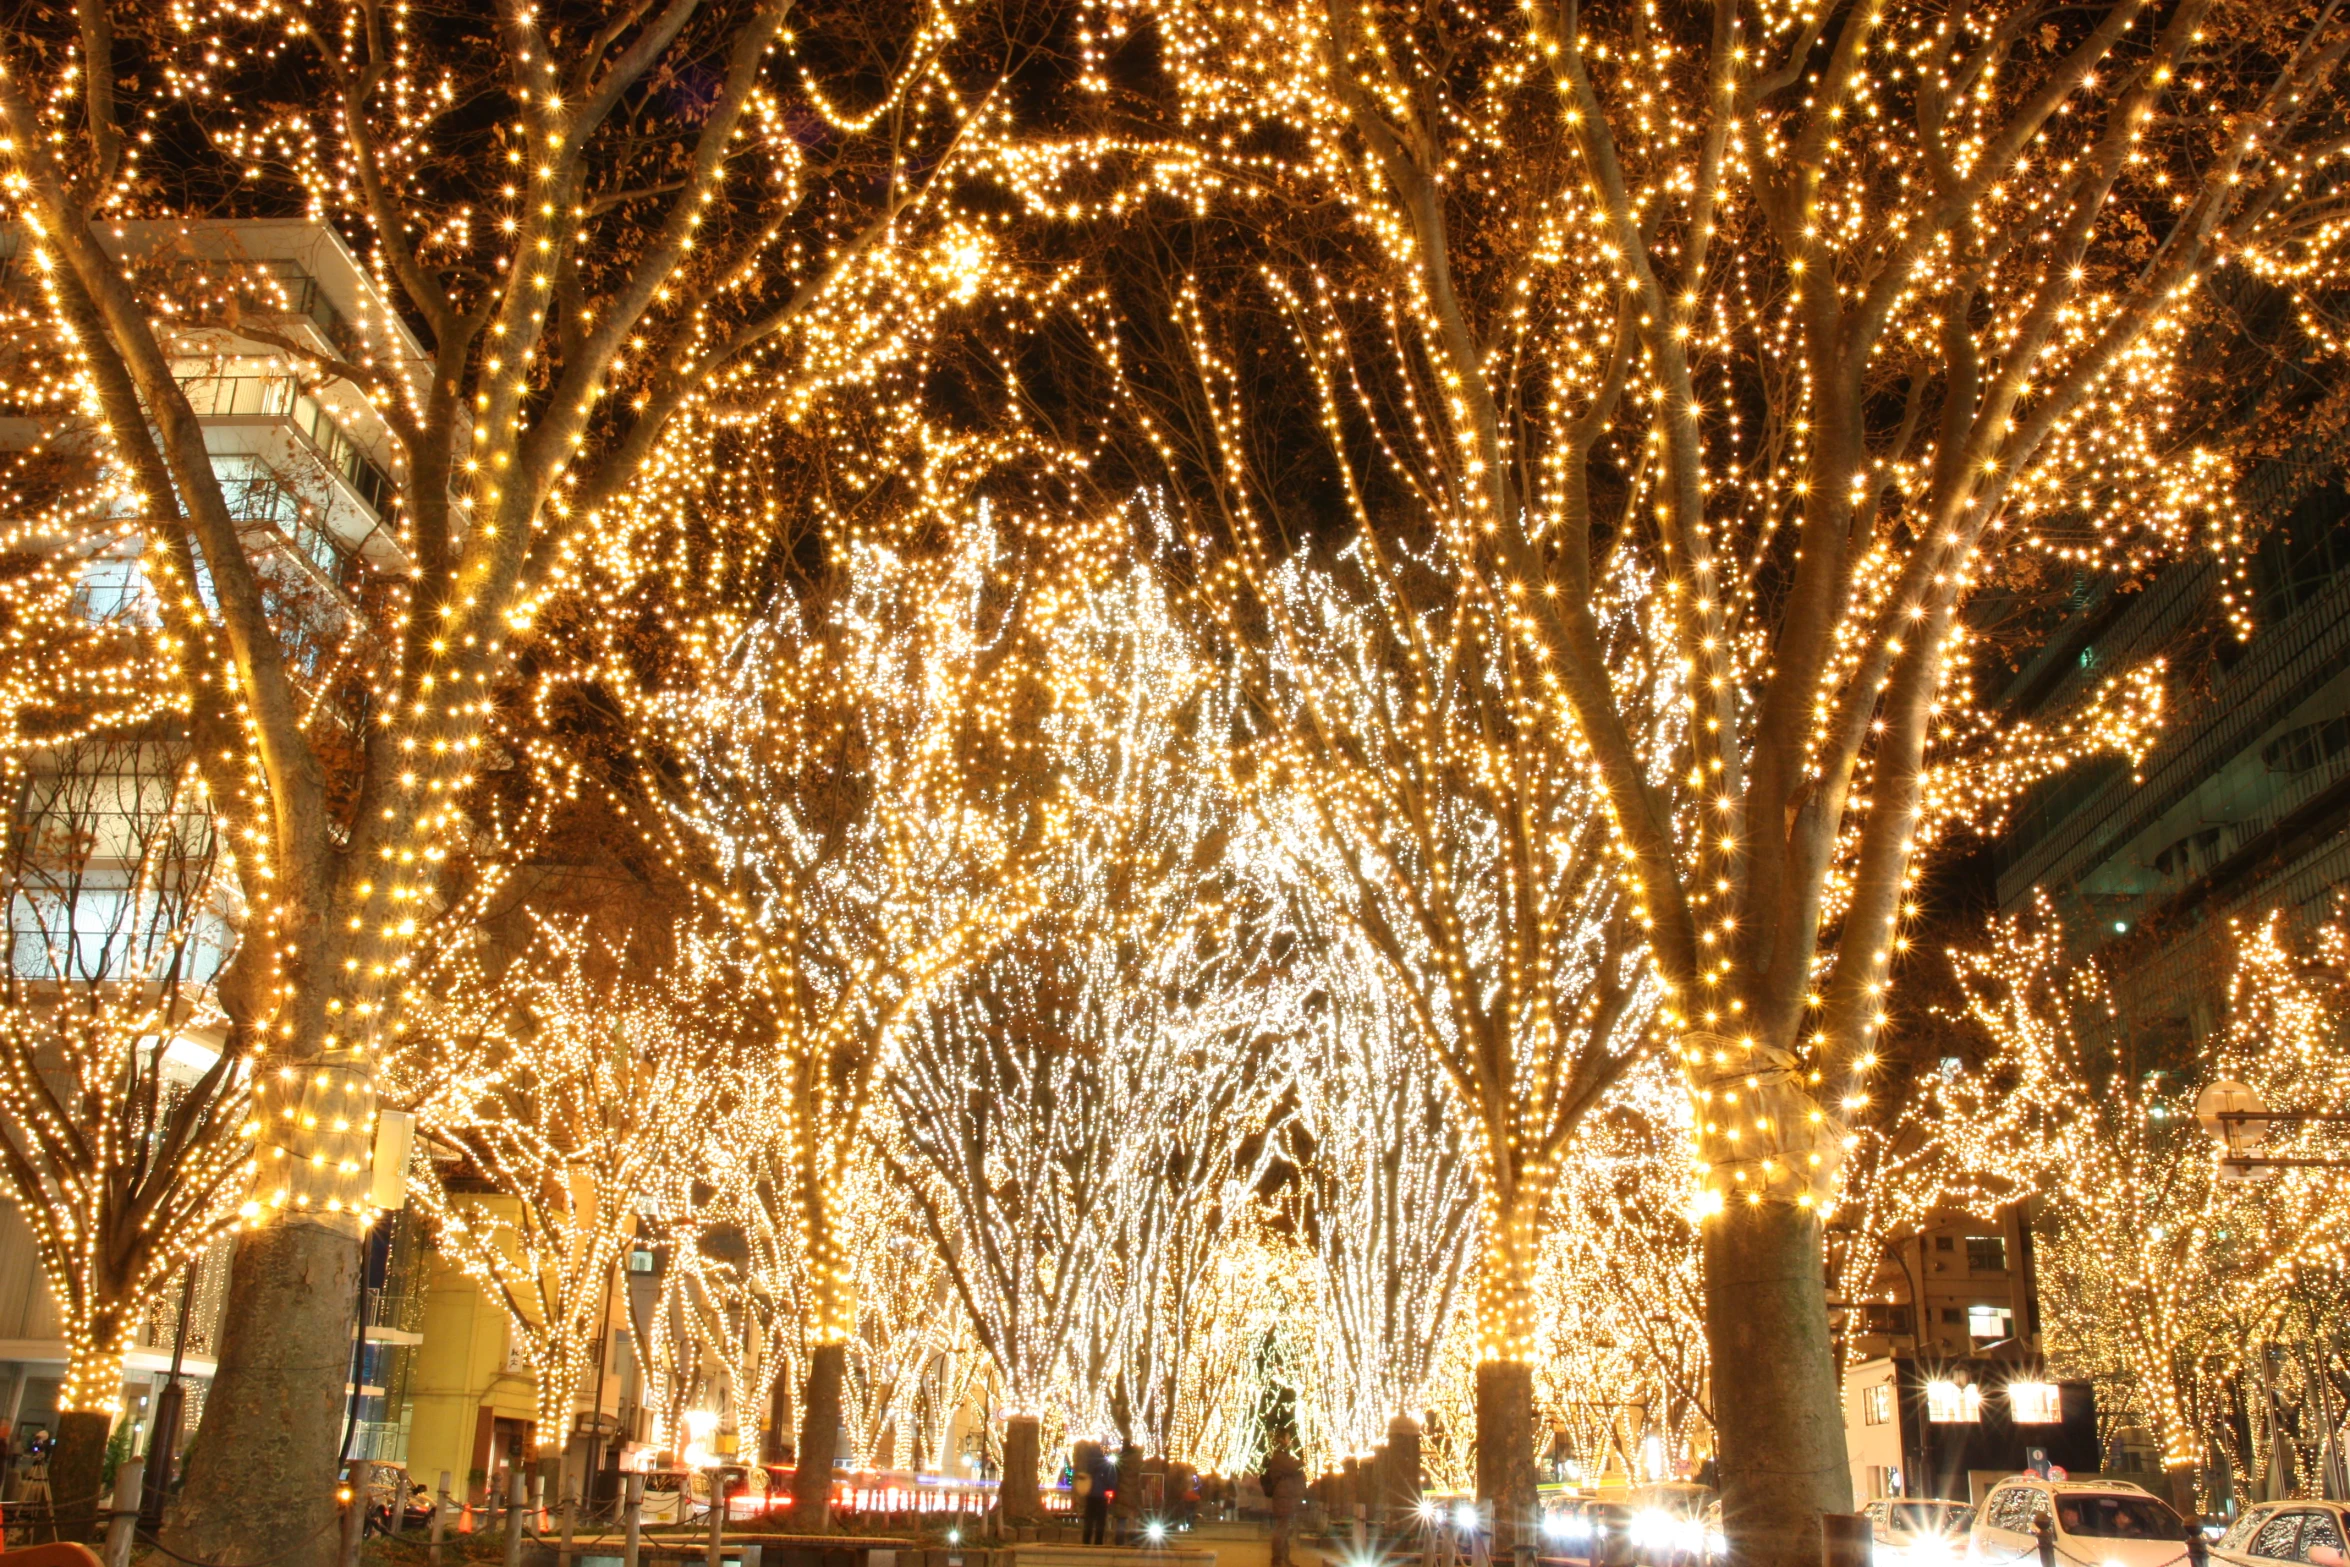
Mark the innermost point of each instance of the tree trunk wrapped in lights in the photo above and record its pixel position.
(601, 251)
(1805, 325)
(573, 1095)
(126, 1129)
(2154, 1267)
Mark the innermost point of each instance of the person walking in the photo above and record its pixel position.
(1285, 1485)
(1094, 1479)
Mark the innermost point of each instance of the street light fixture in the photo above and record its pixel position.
(2240, 1118)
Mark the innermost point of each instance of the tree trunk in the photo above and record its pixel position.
(811, 1505)
(1023, 1436)
(1778, 1410)
(776, 1444)
(1505, 1451)
(77, 1472)
(1403, 1474)
(261, 1476)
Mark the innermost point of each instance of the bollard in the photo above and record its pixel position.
(570, 1517)
(717, 1519)
(355, 1514)
(515, 1500)
(122, 1522)
(1846, 1540)
(632, 1517)
(440, 1521)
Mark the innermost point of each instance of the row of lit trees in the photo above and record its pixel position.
(1070, 1105)
(1595, 629)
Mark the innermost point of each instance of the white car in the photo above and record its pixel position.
(1921, 1531)
(2099, 1523)
(2311, 1532)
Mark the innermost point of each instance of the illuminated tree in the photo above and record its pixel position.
(1196, 1092)
(1793, 322)
(1249, 1344)
(125, 1126)
(1411, 786)
(1621, 1343)
(848, 782)
(2156, 1267)
(905, 1318)
(748, 1309)
(593, 217)
(1386, 1204)
(1027, 1089)
(1004, 1099)
(573, 1094)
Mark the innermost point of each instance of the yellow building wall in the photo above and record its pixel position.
(460, 1371)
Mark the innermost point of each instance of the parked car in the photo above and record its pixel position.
(668, 1499)
(1920, 1530)
(2312, 1532)
(2106, 1522)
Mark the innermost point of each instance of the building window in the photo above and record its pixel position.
(1888, 1318)
(1990, 1323)
(1986, 1253)
(1952, 1316)
(1944, 1243)
(2035, 1403)
(1950, 1404)
(1876, 1405)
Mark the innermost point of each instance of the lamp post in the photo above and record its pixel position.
(2240, 1118)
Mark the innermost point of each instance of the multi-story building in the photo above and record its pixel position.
(1954, 1288)
(2244, 806)
(1946, 1375)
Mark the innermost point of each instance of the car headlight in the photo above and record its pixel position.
(1652, 1528)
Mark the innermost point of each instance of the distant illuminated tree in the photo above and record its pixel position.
(2154, 1267)
(1248, 1346)
(1386, 1203)
(748, 1309)
(1410, 784)
(844, 774)
(126, 1132)
(905, 1319)
(573, 1093)
(1621, 1337)
(1033, 1090)
(1198, 1091)
(1005, 1101)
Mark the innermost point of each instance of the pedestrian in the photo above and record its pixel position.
(1094, 1482)
(1285, 1484)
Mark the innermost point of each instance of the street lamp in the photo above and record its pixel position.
(2240, 1118)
